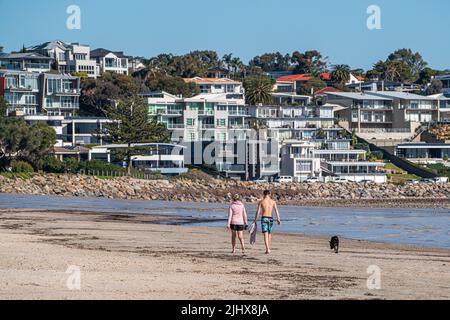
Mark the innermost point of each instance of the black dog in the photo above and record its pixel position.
(334, 244)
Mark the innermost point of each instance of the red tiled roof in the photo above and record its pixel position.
(327, 89)
(303, 77)
(360, 78)
(326, 76)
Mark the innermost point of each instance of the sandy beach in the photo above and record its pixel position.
(142, 257)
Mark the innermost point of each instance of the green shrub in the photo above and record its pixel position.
(21, 166)
(51, 165)
(98, 165)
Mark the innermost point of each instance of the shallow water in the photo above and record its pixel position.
(423, 227)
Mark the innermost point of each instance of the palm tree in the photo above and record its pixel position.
(227, 59)
(258, 90)
(236, 64)
(341, 74)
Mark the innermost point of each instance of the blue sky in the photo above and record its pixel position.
(243, 27)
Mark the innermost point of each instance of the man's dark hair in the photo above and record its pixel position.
(266, 193)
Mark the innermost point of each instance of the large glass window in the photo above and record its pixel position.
(303, 166)
(11, 82)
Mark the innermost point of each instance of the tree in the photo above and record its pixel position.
(340, 74)
(272, 62)
(435, 87)
(97, 95)
(258, 90)
(311, 86)
(311, 62)
(414, 61)
(133, 125)
(427, 74)
(3, 107)
(21, 141)
(391, 71)
(402, 65)
(174, 85)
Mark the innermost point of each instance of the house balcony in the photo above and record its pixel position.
(176, 126)
(226, 167)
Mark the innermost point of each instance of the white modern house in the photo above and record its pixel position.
(73, 131)
(110, 61)
(424, 153)
(69, 57)
(327, 161)
(167, 159)
(217, 85)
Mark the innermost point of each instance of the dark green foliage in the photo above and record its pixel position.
(20, 141)
(98, 95)
(133, 125)
(258, 90)
(18, 166)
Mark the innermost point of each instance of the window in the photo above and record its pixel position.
(49, 102)
(191, 136)
(190, 122)
(30, 99)
(67, 102)
(303, 166)
(53, 85)
(12, 98)
(11, 82)
(221, 123)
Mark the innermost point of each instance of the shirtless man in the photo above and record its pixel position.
(266, 206)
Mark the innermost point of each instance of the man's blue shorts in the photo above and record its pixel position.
(267, 225)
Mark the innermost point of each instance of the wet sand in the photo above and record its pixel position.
(142, 257)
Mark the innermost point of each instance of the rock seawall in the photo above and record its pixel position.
(348, 194)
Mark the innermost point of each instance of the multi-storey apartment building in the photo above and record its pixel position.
(68, 57)
(60, 95)
(29, 93)
(26, 61)
(409, 107)
(110, 61)
(383, 111)
(327, 160)
(21, 91)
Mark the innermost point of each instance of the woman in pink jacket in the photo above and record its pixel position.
(237, 222)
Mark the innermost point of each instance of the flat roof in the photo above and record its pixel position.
(424, 146)
(133, 145)
(357, 96)
(401, 95)
(354, 151)
(356, 163)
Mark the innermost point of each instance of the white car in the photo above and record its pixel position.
(284, 179)
(340, 180)
(312, 180)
